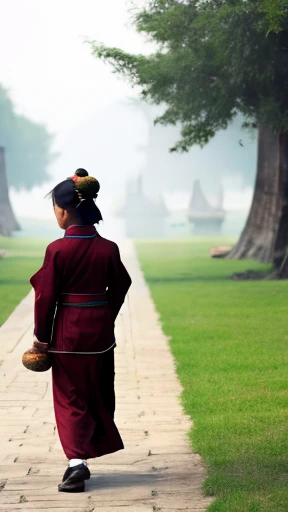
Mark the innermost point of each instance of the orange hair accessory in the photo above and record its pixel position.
(86, 186)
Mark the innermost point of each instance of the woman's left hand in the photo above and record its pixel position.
(38, 348)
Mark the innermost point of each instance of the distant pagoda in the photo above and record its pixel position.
(145, 218)
(206, 219)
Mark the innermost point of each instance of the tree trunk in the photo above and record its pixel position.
(265, 235)
(8, 222)
(281, 242)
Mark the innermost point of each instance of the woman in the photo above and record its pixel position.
(78, 294)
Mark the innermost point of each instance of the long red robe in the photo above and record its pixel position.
(78, 294)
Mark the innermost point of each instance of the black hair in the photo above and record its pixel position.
(78, 194)
(65, 195)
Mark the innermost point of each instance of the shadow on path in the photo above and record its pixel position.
(126, 479)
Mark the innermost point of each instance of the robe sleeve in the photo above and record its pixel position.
(46, 284)
(119, 282)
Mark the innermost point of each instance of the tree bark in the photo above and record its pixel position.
(281, 242)
(265, 235)
(8, 222)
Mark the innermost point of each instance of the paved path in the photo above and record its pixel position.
(156, 471)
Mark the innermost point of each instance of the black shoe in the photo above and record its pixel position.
(72, 487)
(79, 471)
(74, 479)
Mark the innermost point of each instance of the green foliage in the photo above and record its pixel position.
(214, 59)
(24, 258)
(276, 12)
(27, 146)
(229, 340)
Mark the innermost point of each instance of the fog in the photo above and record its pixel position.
(53, 78)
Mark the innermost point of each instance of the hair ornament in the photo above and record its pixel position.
(86, 186)
(74, 178)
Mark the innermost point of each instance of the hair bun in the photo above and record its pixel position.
(82, 173)
(87, 187)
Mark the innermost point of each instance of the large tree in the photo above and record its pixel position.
(27, 147)
(214, 60)
(8, 222)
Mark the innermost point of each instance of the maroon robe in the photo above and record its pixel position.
(78, 294)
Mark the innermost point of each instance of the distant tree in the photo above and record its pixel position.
(27, 146)
(8, 222)
(216, 59)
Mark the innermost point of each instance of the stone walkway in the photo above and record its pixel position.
(155, 472)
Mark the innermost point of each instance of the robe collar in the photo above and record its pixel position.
(78, 231)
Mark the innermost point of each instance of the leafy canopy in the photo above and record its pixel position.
(27, 145)
(214, 60)
(275, 12)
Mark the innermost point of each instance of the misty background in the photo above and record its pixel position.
(99, 124)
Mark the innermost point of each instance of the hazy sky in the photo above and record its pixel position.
(48, 69)
(53, 78)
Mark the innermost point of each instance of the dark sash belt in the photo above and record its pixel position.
(85, 300)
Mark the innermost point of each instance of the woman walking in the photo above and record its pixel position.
(78, 294)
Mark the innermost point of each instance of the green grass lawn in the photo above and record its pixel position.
(230, 342)
(24, 257)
